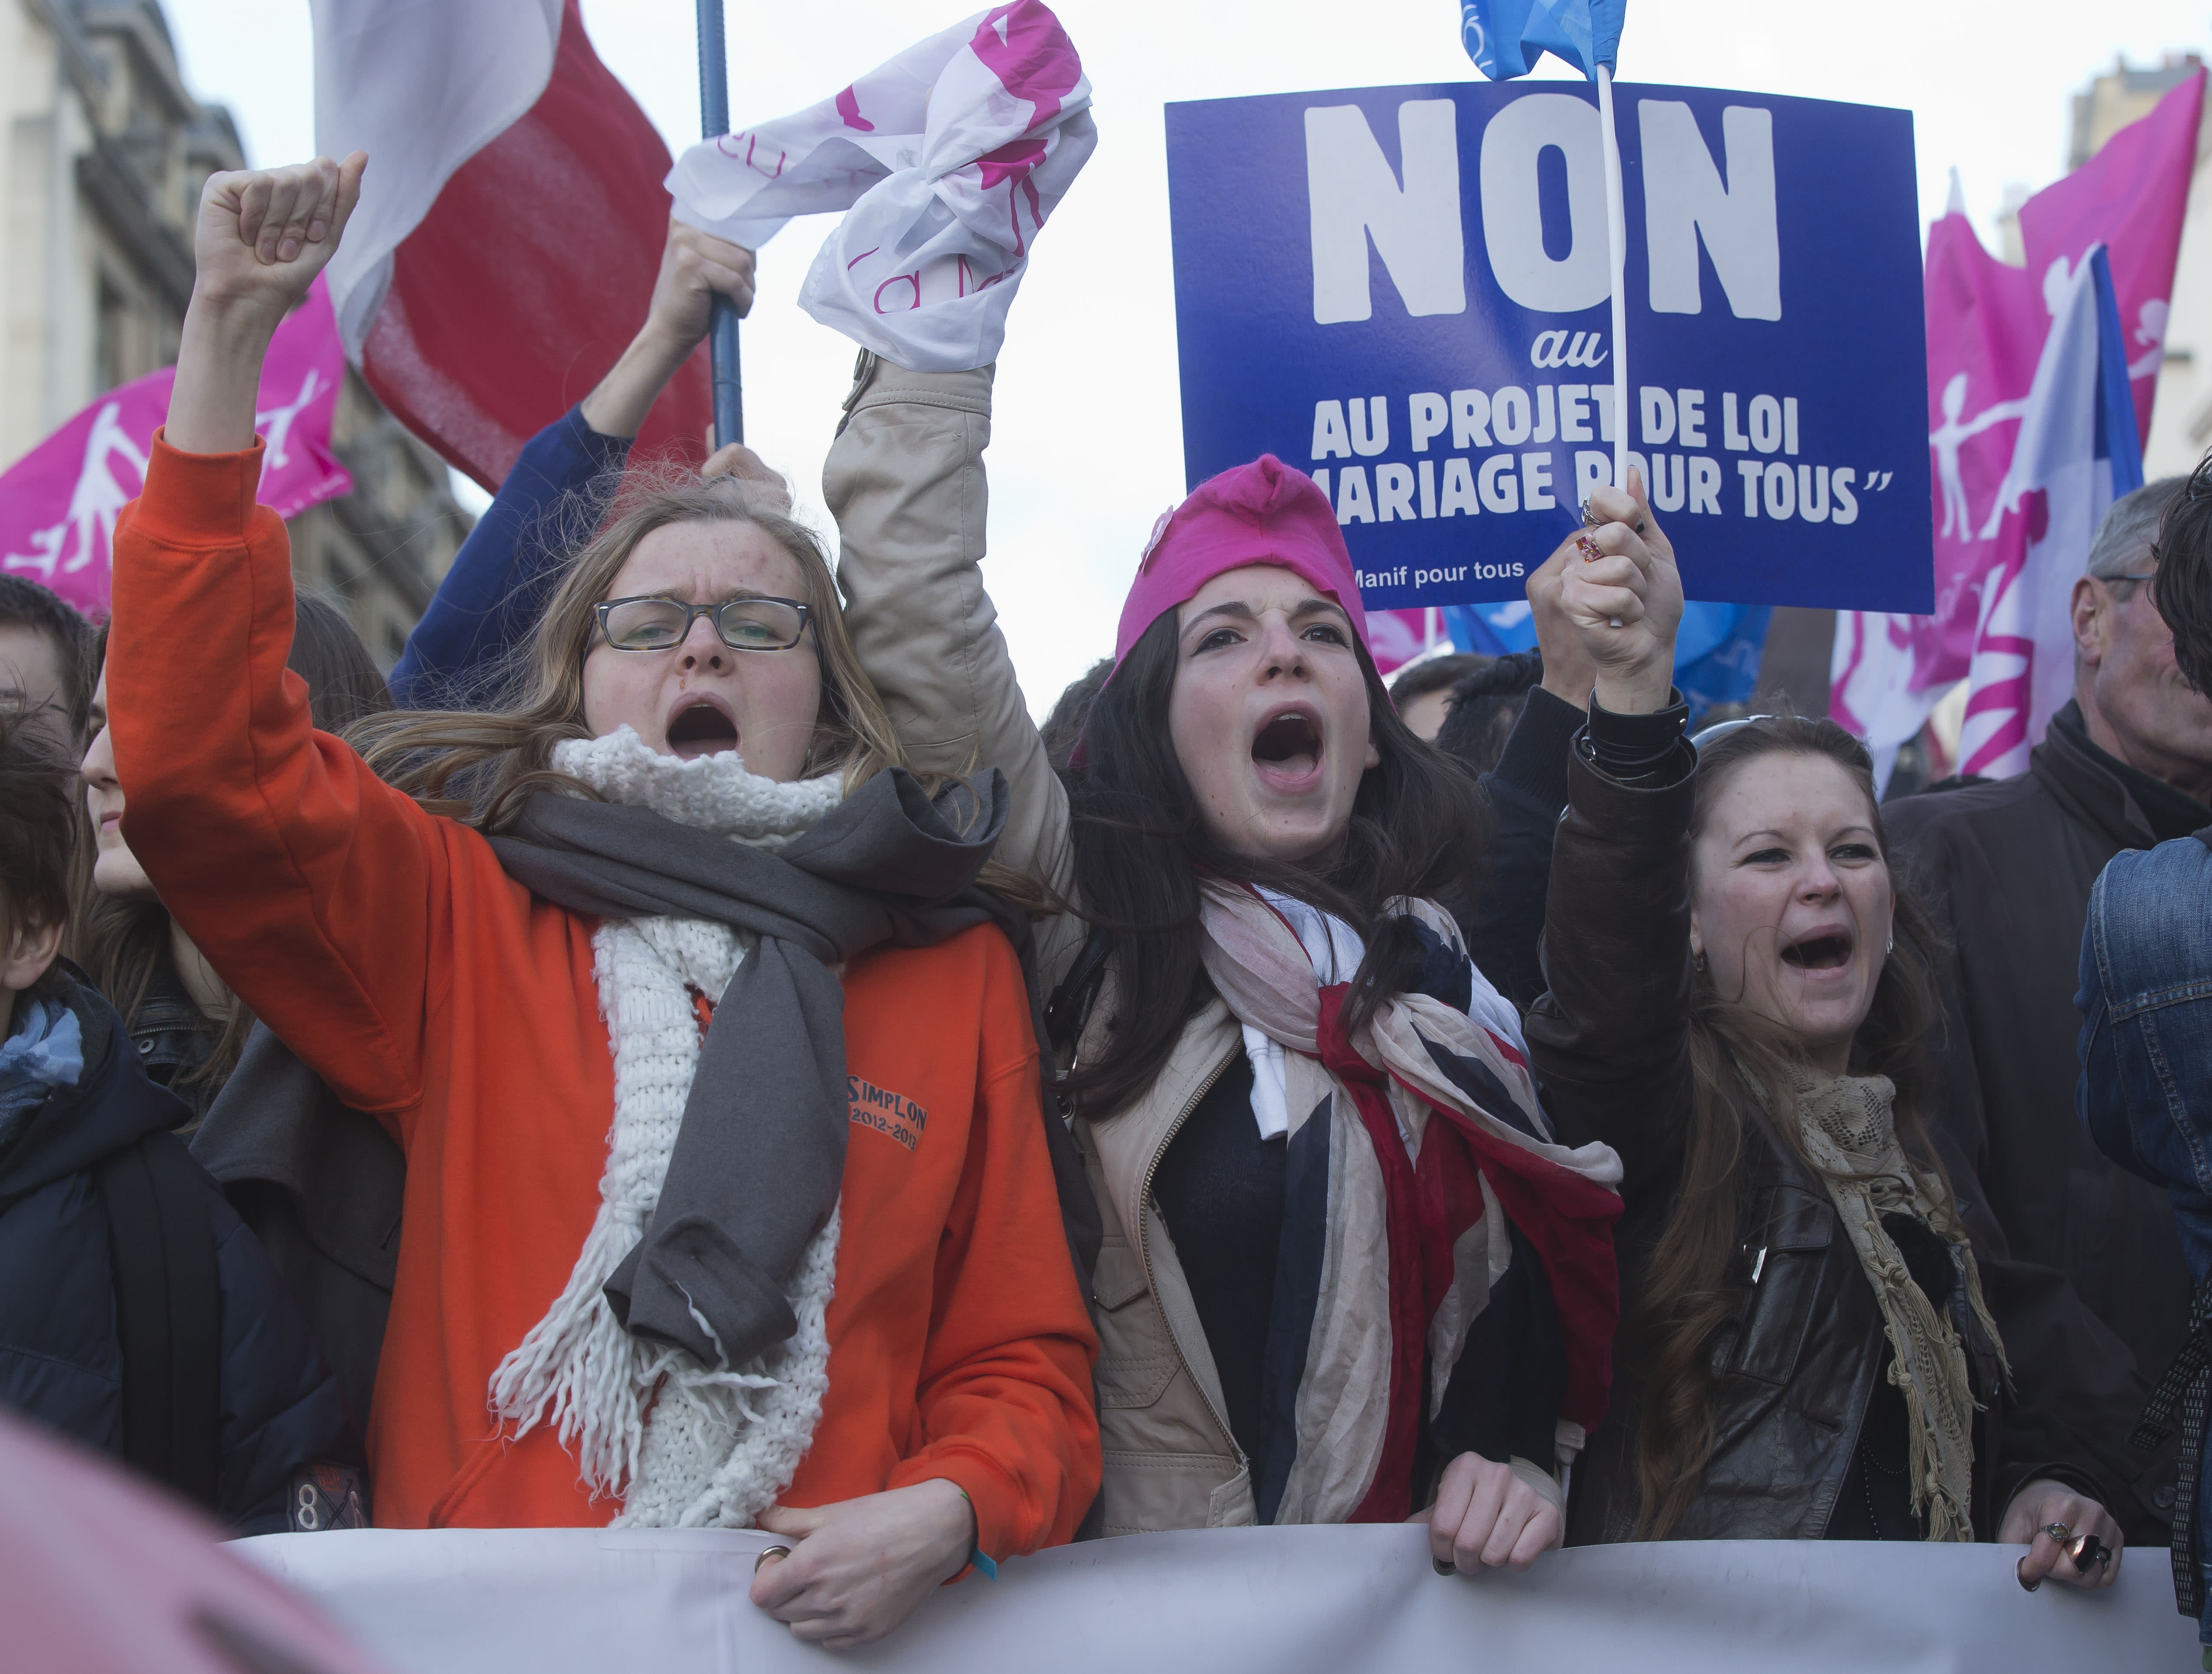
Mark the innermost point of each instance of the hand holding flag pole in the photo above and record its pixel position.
(1505, 37)
(722, 332)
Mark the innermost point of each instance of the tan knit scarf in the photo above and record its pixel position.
(1850, 1131)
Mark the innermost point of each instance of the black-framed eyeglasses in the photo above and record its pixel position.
(750, 622)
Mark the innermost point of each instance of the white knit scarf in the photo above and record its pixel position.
(686, 1445)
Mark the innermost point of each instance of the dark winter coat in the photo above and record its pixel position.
(2006, 868)
(61, 1358)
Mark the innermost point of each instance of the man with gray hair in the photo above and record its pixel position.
(2006, 867)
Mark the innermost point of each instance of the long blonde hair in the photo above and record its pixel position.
(479, 765)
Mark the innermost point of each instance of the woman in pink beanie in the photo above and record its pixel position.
(1347, 1273)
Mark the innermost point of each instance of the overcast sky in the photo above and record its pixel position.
(1088, 443)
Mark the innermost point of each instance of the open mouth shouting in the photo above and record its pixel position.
(1825, 949)
(1286, 750)
(701, 725)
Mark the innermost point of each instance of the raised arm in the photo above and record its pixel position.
(300, 876)
(489, 601)
(1527, 792)
(1610, 1038)
(904, 480)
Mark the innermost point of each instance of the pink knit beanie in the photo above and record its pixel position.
(1265, 512)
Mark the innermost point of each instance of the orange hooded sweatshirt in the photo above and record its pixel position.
(386, 945)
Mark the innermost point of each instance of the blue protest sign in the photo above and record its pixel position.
(1405, 291)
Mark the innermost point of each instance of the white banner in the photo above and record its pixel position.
(1285, 1601)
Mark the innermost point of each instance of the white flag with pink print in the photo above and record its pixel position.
(948, 161)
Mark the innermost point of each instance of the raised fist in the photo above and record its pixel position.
(264, 233)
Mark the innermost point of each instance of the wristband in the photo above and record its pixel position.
(982, 1565)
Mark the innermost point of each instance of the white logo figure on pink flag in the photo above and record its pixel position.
(58, 503)
(1988, 325)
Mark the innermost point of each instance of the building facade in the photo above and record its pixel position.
(105, 150)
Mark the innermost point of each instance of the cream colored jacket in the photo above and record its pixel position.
(904, 481)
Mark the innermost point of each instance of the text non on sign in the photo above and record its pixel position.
(1404, 291)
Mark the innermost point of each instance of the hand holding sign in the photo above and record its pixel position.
(1626, 603)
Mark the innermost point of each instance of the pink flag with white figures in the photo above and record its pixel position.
(1397, 637)
(59, 502)
(948, 160)
(1987, 325)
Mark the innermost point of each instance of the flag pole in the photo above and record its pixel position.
(1616, 239)
(722, 327)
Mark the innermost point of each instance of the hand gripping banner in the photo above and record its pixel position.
(1312, 1600)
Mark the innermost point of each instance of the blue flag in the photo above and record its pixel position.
(2116, 440)
(1506, 37)
(1716, 647)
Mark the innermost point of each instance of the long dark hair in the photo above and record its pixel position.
(1419, 827)
(1738, 1057)
(123, 944)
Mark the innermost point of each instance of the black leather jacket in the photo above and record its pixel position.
(172, 1037)
(1611, 1044)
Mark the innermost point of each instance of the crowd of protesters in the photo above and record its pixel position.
(690, 1050)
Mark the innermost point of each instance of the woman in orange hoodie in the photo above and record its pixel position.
(728, 1196)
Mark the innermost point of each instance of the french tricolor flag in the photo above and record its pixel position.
(510, 225)
(2078, 451)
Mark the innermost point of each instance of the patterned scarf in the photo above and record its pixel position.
(1849, 1130)
(1399, 1230)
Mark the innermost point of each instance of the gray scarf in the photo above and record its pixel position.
(757, 1165)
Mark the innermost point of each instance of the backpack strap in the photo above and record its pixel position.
(168, 1312)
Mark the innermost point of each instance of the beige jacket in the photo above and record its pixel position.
(904, 481)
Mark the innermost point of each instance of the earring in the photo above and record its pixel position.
(1892, 948)
(1697, 961)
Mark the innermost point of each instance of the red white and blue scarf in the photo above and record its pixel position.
(1436, 1243)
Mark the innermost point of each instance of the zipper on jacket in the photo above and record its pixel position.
(1144, 1244)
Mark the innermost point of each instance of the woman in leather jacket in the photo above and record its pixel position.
(1738, 1003)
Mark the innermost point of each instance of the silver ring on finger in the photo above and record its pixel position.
(768, 1552)
(1590, 519)
(2058, 1531)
